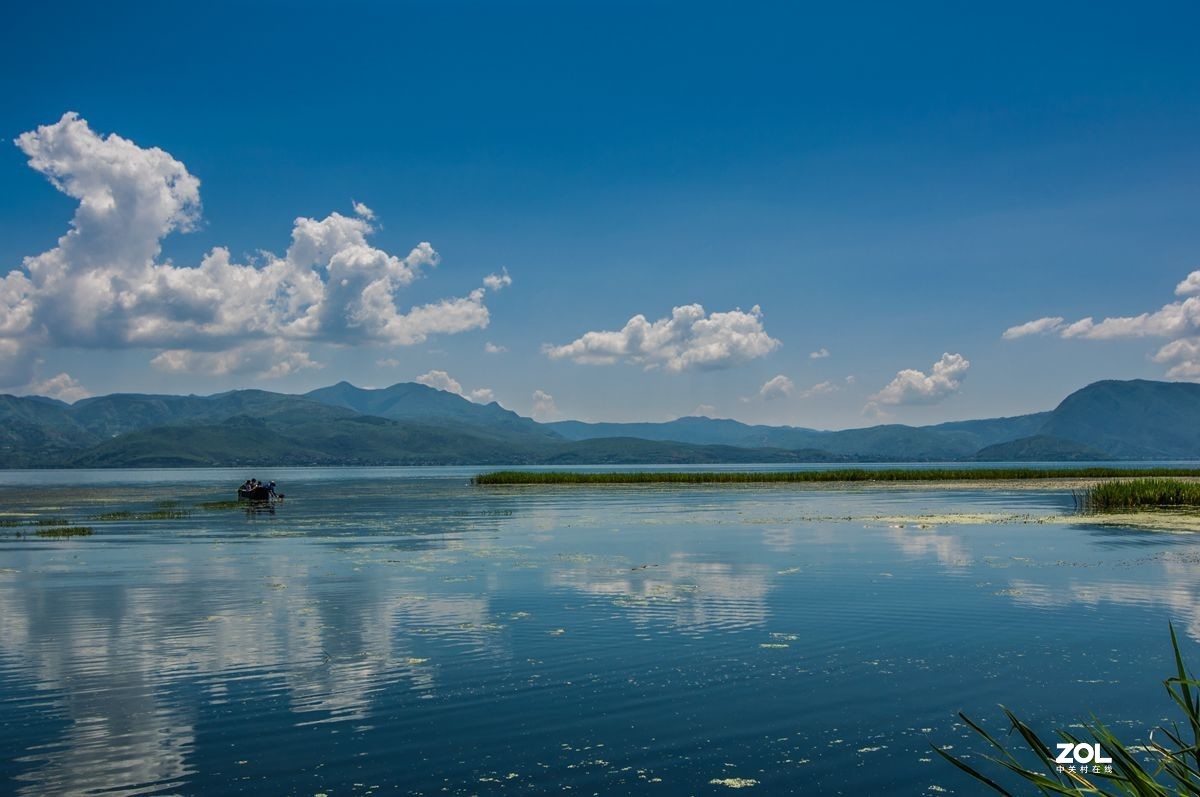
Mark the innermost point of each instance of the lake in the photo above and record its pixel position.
(398, 631)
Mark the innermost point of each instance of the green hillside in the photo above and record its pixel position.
(1138, 419)
(367, 440)
(416, 424)
(409, 401)
(1039, 448)
(242, 440)
(946, 441)
(36, 431)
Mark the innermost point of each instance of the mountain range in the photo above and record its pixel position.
(411, 424)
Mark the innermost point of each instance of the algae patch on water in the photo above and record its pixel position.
(1168, 520)
(66, 531)
(1172, 520)
(218, 505)
(157, 514)
(957, 518)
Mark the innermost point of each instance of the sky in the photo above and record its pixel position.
(818, 215)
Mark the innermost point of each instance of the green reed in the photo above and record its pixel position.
(506, 477)
(1172, 770)
(1139, 494)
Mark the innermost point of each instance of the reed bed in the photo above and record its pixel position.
(512, 477)
(1139, 494)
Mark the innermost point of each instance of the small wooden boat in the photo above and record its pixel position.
(260, 493)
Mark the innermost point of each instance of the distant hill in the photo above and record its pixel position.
(1039, 448)
(693, 429)
(1138, 419)
(368, 440)
(107, 416)
(410, 423)
(948, 441)
(34, 431)
(410, 401)
(634, 451)
(350, 440)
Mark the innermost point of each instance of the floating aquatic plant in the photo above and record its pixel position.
(157, 514)
(216, 505)
(66, 531)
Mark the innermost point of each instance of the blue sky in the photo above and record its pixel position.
(888, 184)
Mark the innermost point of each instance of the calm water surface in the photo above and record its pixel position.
(400, 632)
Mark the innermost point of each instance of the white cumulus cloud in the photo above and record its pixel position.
(688, 339)
(1178, 321)
(776, 387)
(1190, 285)
(269, 358)
(1183, 357)
(63, 387)
(493, 348)
(105, 286)
(819, 354)
(911, 386)
(1040, 326)
(440, 380)
(544, 408)
(819, 389)
(497, 281)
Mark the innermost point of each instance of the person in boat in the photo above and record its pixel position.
(271, 490)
